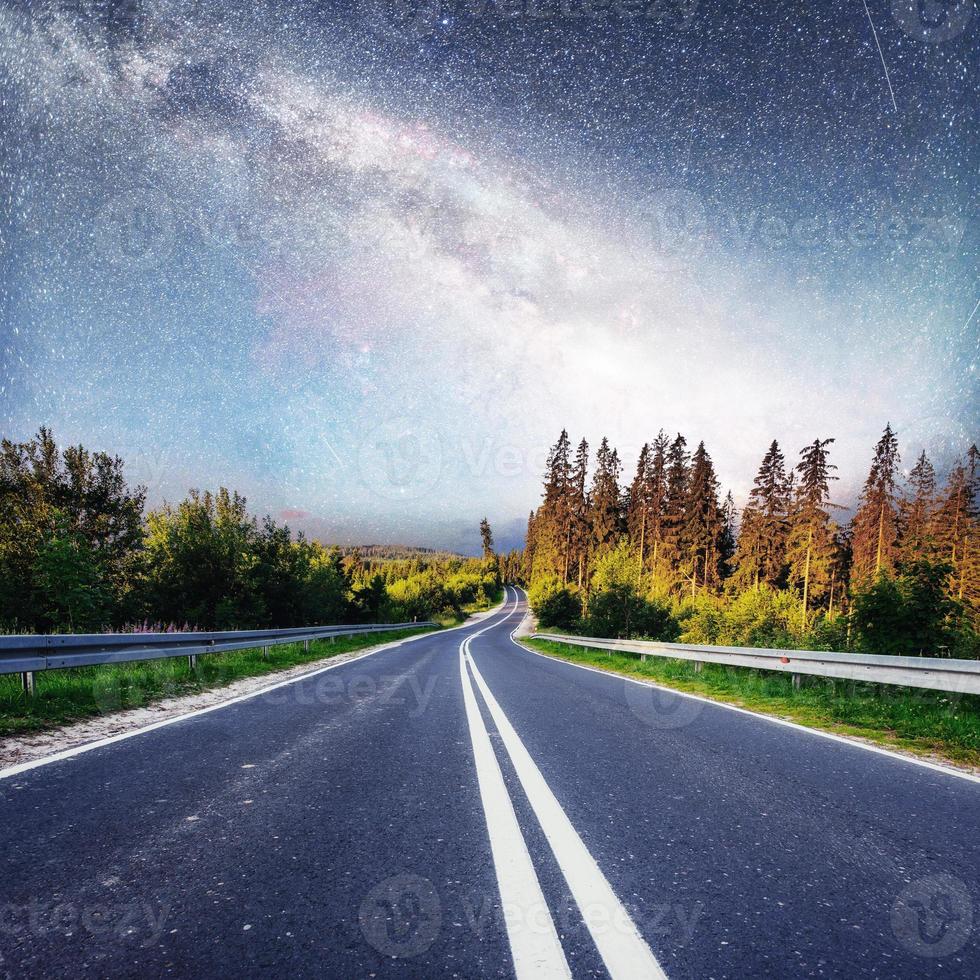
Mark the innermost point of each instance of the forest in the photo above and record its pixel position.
(80, 552)
(665, 556)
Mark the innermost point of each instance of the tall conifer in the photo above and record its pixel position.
(810, 545)
(875, 524)
(702, 523)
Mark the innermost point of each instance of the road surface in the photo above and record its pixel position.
(460, 806)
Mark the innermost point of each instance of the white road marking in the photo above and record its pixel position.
(622, 948)
(20, 767)
(878, 750)
(534, 943)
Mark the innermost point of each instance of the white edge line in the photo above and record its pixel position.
(623, 949)
(534, 944)
(20, 767)
(878, 750)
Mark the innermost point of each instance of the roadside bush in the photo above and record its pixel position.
(554, 604)
(619, 612)
(910, 615)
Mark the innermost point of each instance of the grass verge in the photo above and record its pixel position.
(64, 696)
(927, 723)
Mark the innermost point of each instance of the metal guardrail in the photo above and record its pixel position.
(933, 673)
(26, 654)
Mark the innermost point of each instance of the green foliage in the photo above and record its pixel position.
(762, 617)
(56, 505)
(618, 611)
(554, 604)
(68, 580)
(77, 553)
(911, 614)
(791, 577)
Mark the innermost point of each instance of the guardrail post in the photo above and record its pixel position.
(306, 645)
(192, 661)
(797, 680)
(265, 653)
(698, 666)
(27, 680)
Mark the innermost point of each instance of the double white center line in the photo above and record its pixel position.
(534, 942)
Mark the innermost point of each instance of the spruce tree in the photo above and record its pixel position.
(761, 554)
(604, 499)
(727, 538)
(915, 511)
(551, 523)
(486, 537)
(810, 544)
(579, 510)
(956, 530)
(527, 561)
(675, 499)
(875, 524)
(702, 523)
(657, 503)
(636, 504)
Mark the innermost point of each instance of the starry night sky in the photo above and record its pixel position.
(363, 261)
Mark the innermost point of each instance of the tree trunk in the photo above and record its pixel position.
(881, 536)
(806, 573)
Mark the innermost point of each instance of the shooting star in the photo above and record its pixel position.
(969, 319)
(881, 55)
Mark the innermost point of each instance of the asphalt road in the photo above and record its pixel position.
(460, 806)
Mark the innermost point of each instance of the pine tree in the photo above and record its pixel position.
(604, 499)
(552, 522)
(637, 505)
(727, 538)
(761, 553)
(579, 508)
(657, 502)
(915, 511)
(702, 523)
(486, 537)
(875, 524)
(675, 499)
(810, 544)
(527, 559)
(956, 529)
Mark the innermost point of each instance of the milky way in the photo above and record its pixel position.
(364, 262)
